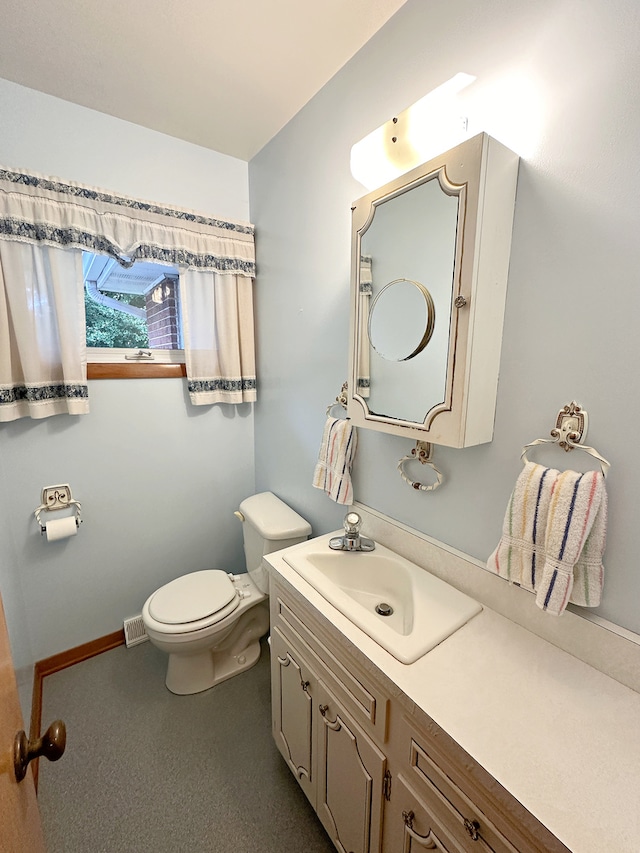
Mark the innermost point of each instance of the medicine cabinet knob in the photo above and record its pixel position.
(460, 302)
(51, 745)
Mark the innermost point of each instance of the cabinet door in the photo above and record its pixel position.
(292, 709)
(350, 778)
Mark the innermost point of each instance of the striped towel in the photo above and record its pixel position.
(553, 537)
(576, 502)
(337, 451)
(520, 554)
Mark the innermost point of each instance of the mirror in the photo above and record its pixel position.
(401, 320)
(429, 266)
(413, 235)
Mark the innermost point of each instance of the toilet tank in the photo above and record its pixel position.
(268, 524)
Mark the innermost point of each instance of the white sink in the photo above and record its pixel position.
(426, 610)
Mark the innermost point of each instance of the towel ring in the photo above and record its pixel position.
(423, 451)
(569, 433)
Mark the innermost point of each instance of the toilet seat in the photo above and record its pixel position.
(193, 601)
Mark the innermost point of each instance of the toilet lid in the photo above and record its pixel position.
(192, 597)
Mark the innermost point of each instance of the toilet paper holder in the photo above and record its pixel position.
(55, 498)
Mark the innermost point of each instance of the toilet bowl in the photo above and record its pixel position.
(209, 622)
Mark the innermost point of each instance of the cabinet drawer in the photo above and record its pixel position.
(477, 812)
(451, 807)
(363, 699)
(410, 827)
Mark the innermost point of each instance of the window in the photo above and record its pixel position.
(133, 317)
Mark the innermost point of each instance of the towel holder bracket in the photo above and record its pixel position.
(571, 426)
(569, 433)
(341, 399)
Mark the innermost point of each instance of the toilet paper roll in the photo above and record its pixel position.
(61, 528)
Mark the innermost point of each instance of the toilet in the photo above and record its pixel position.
(210, 622)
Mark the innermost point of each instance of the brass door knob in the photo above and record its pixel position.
(51, 745)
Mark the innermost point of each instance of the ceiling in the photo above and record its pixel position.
(224, 75)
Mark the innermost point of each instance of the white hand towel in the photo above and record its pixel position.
(575, 503)
(337, 451)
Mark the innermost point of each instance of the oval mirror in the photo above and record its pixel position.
(401, 320)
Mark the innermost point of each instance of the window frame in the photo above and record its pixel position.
(120, 363)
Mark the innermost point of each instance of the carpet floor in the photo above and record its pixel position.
(150, 772)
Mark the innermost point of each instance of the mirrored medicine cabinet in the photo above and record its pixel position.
(430, 258)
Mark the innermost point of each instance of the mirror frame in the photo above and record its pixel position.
(483, 174)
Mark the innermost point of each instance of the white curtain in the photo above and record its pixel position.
(217, 323)
(43, 365)
(217, 263)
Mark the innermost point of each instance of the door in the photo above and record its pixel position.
(20, 828)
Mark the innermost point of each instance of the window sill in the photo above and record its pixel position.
(137, 370)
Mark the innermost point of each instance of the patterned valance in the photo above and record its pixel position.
(37, 209)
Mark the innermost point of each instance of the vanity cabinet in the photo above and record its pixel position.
(381, 775)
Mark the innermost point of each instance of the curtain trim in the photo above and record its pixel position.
(31, 232)
(37, 393)
(205, 392)
(80, 191)
(205, 386)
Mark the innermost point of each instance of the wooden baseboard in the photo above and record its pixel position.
(55, 663)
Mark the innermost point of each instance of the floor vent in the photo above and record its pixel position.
(134, 632)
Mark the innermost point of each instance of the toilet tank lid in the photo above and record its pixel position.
(272, 518)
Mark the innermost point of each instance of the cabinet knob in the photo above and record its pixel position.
(323, 709)
(472, 827)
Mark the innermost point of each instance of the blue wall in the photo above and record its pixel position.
(558, 83)
(158, 479)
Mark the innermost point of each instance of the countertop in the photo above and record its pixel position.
(560, 736)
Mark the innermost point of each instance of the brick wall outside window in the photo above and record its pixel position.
(162, 315)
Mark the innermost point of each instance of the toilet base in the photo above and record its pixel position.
(238, 651)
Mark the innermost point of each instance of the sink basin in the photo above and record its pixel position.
(364, 586)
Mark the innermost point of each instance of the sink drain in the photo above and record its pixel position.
(384, 609)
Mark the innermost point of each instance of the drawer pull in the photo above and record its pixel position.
(334, 725)
(428, 841)
(472, 827)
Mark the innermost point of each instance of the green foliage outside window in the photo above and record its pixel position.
(107, 327)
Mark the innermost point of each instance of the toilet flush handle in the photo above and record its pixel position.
(239, 515)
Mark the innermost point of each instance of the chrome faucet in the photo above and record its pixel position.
(351, 541)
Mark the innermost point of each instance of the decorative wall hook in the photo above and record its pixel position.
(423, 452)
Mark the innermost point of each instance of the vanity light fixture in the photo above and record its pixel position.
(427, 128)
